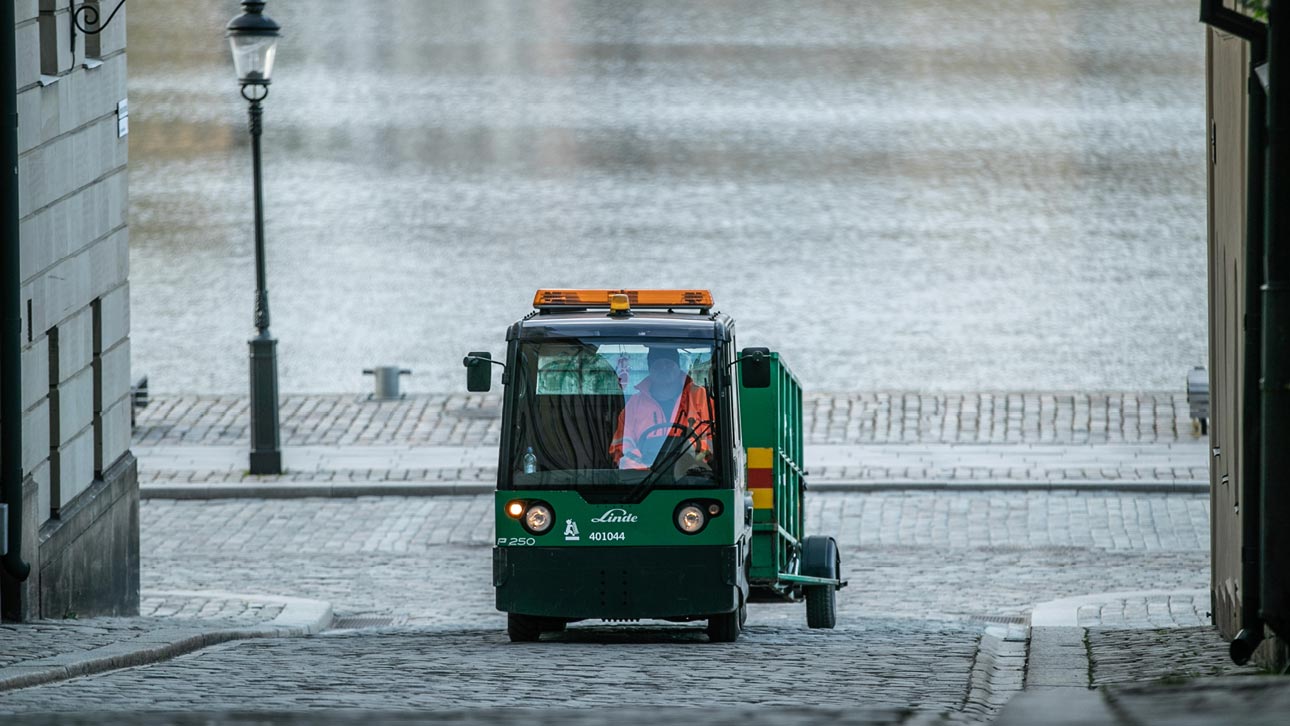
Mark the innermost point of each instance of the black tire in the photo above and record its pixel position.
(743, 615)
(523, 628)
(724, 628)
(553, 625)
(821, 606)
(820, 558)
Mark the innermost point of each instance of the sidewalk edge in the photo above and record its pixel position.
(998, 671)
(299, 617)
(1064, 612)
(300, 490)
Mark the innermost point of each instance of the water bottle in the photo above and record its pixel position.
(530, 461)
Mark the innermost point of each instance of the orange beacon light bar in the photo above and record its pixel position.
(659, 299)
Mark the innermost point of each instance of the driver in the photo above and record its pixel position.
(667, 395)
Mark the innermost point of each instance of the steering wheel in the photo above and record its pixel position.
(640, 459)
(685, 431)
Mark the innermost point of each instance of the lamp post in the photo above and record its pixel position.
(253, 37)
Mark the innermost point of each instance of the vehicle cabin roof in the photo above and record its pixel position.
(643, 324)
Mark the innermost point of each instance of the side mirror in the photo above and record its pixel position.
(754, 367)
(479, 371)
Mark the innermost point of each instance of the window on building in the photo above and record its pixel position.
(96, 309)
(55, 472)
(48, 21)
(93, 47)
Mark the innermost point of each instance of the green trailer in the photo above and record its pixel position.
(786, 564)
(648, 469)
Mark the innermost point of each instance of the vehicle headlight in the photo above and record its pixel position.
(690, 519)
(538, 518)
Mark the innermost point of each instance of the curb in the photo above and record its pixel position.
(293, 490)
(299, 617)
(1064, 613)
(998, 670)
(1058, 657)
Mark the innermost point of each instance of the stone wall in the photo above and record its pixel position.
(82, 539)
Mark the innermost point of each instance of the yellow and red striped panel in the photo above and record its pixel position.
(761, 477)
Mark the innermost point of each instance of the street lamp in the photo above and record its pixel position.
(253, 37)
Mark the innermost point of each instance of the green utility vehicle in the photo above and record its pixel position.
(647, 469)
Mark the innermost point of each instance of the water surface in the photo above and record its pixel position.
(933, 194)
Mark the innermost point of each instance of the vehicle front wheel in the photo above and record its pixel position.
(553, 625)
(523, 628)
(724, 628)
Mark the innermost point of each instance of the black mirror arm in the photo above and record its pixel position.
(755, 357)
(470, 359)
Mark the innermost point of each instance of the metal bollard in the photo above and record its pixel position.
(138, 398)
(387, 382)
(1198, 398)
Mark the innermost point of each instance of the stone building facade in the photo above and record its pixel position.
(80, 507)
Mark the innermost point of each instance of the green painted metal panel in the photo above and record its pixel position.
(771, 418)
(650, 522)
(624, 582)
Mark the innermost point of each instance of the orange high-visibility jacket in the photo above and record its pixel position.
(643, 411)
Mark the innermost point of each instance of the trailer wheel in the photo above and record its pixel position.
(724, 627)
(523, 628)
(821, 606)
(820, 558)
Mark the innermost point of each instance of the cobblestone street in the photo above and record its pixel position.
(873, 417)
(458, 667)
(873, 439)
(942, 580)
(928, 572)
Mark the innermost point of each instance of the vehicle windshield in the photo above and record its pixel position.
(603, 413)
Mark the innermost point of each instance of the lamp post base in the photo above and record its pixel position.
(266, 451)
(266, 462)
